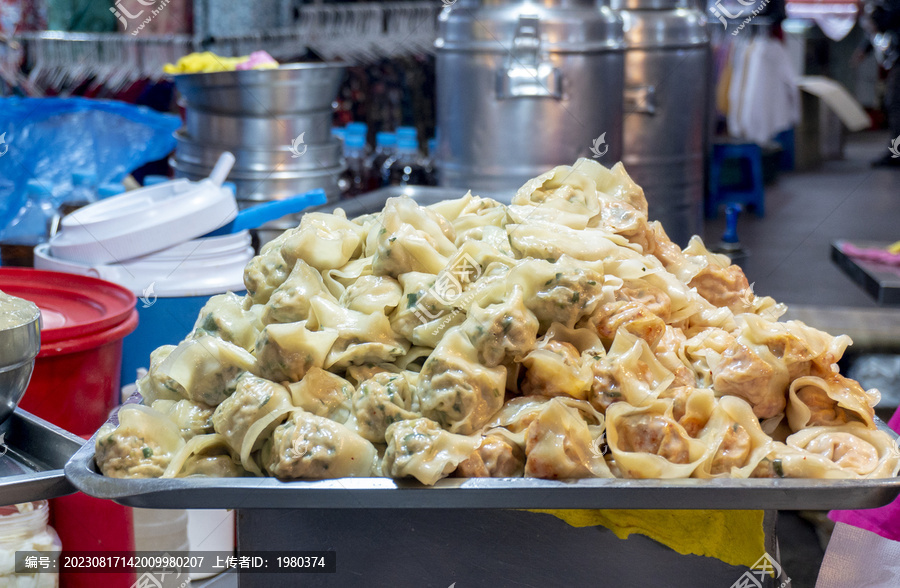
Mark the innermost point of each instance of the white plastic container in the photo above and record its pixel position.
(173, 285)
(210, 530)
(146, 221)
(23, 527)
(163, 530)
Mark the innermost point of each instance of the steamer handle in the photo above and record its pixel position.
(526, 75)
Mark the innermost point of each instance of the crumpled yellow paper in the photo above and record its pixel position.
(736, 537)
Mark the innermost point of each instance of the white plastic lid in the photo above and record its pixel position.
(143, 221)
(202, 267)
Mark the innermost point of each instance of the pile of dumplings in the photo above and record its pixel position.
(561, 336)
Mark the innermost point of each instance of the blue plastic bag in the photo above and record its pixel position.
(49, 138)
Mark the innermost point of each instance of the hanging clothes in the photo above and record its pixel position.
(764, 98)
(740, 54)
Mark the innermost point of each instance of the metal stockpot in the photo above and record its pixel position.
(290, 89)
(667, 98)
(270, 185)
(247, 159)
(523, 87)
(258, 131)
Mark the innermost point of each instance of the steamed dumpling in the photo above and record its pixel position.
(309, 446)
(382, 400)
(421, 449)
(141, 446)
(457, 391)
(254, 398)
(205, 369)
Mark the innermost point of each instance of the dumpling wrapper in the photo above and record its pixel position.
(736, 440)
(206, 369)
(855, 449)
(323, 394)
(205, 455)
(833, 401)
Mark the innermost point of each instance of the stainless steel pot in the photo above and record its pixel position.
(258, 131)
(667, 98)
(290, 89)
(524, 86)
(264, 186)
(19, 346)
(306, 158)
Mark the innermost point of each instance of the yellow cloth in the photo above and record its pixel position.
(736, 537)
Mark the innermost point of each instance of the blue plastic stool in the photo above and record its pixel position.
(786, 140)
(750, 191)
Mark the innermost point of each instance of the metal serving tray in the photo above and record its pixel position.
(371, 202)
(881, 281)
(244, 493)
(32, 457)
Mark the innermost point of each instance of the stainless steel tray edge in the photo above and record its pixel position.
(38, 443)
(475, 493)
(372, 202)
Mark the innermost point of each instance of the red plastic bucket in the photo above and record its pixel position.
(85, 523)
(76, 377)
(76, 384)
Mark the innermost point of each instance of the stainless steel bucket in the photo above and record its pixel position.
(276, 122)
(667, 98)
(308, 157)
(258, 131)
(525, 86)
(271, 185)
(20, 343)
(291, 89)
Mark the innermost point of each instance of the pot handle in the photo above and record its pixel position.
(526, 75)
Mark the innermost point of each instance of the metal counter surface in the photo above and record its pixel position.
(32, 455)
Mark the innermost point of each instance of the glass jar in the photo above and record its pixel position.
(23, 527)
